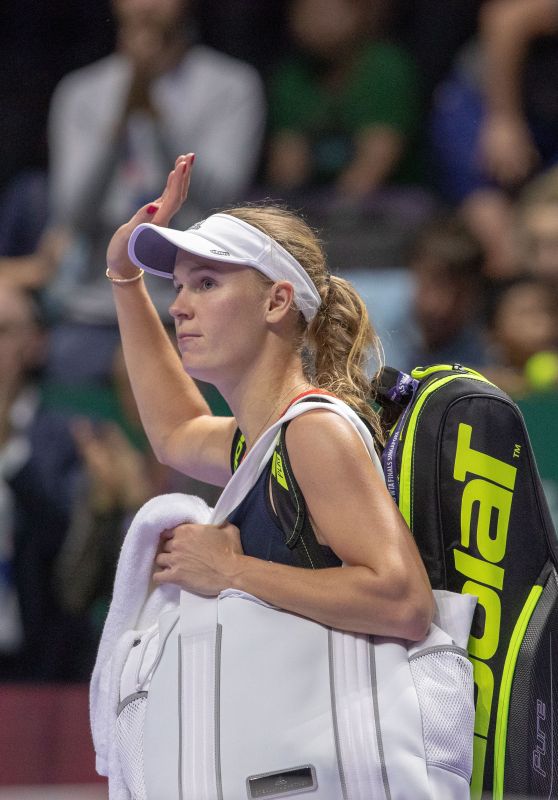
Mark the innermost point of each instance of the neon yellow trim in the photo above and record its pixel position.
(409, 448)
(505, 690)
(409, 444)
(238, 451)
(278, 472)
(479, 757)
(421, 372)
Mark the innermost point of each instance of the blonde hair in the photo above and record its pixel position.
(340, 339)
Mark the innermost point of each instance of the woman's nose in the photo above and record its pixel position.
(180, 306)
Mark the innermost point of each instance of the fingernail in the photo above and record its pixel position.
(151, 209)
(193, 158)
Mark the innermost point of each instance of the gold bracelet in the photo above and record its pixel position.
(112, 279)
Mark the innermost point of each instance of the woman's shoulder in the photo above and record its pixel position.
(320, 438)
(331, 464)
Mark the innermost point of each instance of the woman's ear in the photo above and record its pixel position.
(281, 297)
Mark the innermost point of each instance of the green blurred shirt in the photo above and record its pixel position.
(382, 88)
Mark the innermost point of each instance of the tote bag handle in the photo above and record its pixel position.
(201, 612)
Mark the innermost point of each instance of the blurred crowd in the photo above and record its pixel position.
(419, 137)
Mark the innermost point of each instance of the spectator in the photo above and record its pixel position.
(38, 471)
(537, 227)
(115, 126)
(524, 336)
(446, 267)
(495, 120)
(344, 108)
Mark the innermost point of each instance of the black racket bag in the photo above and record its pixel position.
(459, 464)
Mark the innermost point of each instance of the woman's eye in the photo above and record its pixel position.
(207, 283)
(177, 288)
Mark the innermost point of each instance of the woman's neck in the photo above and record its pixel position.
(258, 399)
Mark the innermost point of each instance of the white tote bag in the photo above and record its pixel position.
(229, 698)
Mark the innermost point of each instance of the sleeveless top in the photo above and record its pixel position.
(261, 534)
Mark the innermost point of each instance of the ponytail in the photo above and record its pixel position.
(343, 339)
(340, 339)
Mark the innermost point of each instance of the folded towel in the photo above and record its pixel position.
(133, 608)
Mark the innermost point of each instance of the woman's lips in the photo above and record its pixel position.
(184, 338)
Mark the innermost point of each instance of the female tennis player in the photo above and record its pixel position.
(258, 315)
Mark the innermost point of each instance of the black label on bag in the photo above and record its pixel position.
(280, 784)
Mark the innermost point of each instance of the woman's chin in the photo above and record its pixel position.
(198, 372)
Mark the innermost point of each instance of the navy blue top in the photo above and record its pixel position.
(260, 533)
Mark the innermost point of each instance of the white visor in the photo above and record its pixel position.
(229, 240)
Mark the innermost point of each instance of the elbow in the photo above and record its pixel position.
(162, 457)
(407, 609)
(165, 456)
(160, 451)
(412, 603)
(162, 447)
(417, 614)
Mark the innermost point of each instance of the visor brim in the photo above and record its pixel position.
(154, 248)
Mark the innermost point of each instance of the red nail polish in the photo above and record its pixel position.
(152, 209)
(192, 159)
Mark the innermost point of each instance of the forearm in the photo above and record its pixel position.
(165, 395)
(349, 598)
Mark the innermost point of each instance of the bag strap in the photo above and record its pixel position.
(238, 449)
(257, 458)
(290, 506)
(287, 499)
(291, 510)
(246, 476)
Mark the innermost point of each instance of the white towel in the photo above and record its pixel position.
(131, 608)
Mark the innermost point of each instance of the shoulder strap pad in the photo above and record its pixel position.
(238, 450)
(290, 508)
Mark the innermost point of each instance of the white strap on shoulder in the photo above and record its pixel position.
(199, 613)
(256, 459)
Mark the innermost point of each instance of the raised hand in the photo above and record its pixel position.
(160, 211)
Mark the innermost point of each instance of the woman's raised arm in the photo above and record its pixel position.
(176, 417)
